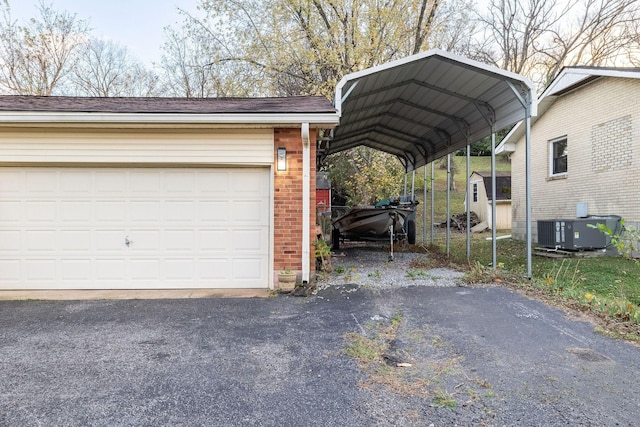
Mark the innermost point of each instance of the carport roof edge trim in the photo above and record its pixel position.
(448, 102)
(433, 52)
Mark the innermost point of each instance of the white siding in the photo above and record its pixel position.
(56, 146)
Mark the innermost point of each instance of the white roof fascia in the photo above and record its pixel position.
(585, 73)
(505, 145)
(21, 117)
(561, 82)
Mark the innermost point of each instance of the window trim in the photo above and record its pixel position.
(552, 143)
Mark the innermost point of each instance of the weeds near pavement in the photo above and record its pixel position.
(426, 374)
(376, 274)
(479, 273)
(416, 274)
(364, 350)
(443, 399)
(370, 352)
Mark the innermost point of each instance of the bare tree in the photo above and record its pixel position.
(601, 34)
(192, 66)
(539, 37)
(106, 68)
(38, 55)
(291, 47)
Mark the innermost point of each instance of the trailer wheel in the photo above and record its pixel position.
(335, 239)
(411, 232)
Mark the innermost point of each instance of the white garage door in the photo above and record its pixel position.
(113, 228)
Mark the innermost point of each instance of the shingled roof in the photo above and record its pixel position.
(288, 105)
(503, 184)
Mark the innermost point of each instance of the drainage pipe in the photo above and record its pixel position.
(306, 193)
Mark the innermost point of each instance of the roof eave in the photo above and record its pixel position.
(325, 120)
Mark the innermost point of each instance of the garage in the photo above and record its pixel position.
(161, 196)
(117, 228)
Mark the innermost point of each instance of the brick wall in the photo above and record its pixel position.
(288, 201)
(602, 124)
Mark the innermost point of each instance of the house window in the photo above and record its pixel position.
(475, 192)
(558, 156)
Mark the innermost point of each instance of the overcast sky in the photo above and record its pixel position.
(136, 24)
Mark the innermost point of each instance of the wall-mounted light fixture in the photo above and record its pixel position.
(281, 163)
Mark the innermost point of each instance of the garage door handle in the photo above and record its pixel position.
(127, 241)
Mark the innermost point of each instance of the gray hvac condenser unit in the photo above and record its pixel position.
(576, 234)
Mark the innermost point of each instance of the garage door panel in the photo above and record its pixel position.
(111, 211)
(68, 228)
(144, 268)
(254, 241)
(179, 240)
(146, 182)
(146, 211)
(40, 240)
(250, 212)
(214, 211)
(41, 211)
(76, 269)
(110, 240)
(11, 182)
(143, 240)
(214, 240)
(41, 182)
(76, 211)
(179, 211)
(215, 269)
(109, 183)
(10, 271)
(214, 182)
(110, 269)
(248, 269)
(182, 183)
(75, 240)
(78, 182)
(249, 183)
(41, 269)
(10, 241)
(179, 269)
(10, 211)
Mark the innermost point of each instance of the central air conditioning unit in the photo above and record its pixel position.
(576, 234)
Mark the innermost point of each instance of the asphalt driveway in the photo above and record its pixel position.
(478, 356)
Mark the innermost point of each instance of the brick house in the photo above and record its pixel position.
(157, 193)
(585, 143)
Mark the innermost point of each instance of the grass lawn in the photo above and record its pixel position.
(607, 287)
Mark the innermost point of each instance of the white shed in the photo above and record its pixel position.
(482, 198)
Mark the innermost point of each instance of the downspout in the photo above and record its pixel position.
(306, 193)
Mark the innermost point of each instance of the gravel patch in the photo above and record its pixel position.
(368, 265)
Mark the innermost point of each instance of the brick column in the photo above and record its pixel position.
(287, 193)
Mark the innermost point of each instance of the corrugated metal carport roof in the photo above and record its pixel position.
(428, 105)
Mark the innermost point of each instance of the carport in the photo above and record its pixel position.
(430, 105)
